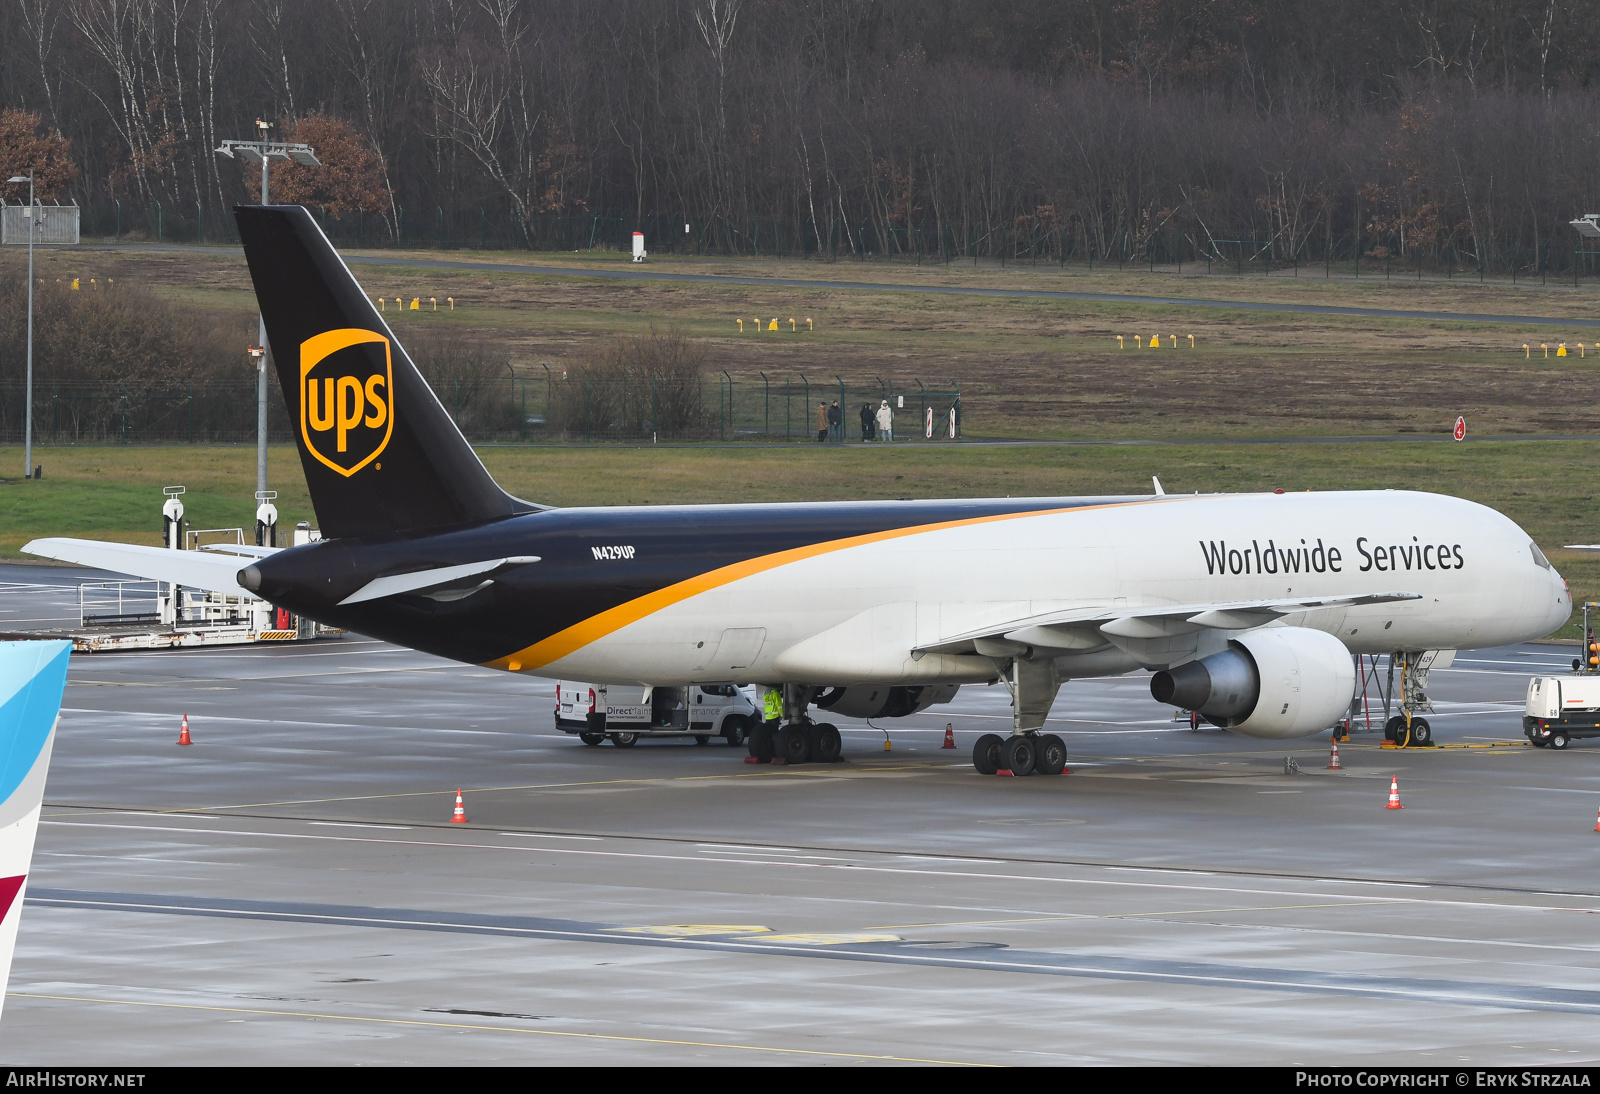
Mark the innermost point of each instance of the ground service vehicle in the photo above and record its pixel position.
(621, 712)
(1561, 709)
(1249, 617)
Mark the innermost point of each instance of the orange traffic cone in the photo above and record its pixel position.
(1394, 793)
(1597, 822)
(183, 732)
(460, 815)
(1333, 758)
(949, 736)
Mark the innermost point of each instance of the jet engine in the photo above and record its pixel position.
(884, 700)
(1272, 682)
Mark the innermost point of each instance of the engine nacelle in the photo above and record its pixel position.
(884, 700)
(1272, 682)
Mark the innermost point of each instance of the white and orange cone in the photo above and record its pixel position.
(949, 736)
(1394, 793)
(460, 815)
(1597, 822)
(183, 732)
(1333, 758)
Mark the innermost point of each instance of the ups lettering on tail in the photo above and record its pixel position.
(346, 397)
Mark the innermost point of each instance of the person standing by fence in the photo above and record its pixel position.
(885, 422)
(835, 423)
(822, 422)
(867, 426)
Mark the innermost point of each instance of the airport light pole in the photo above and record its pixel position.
(265, 152)
(27, 408)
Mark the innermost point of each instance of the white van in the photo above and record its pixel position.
(1560, 709)
(624, 713)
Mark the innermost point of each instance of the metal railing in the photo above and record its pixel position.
(113, 603)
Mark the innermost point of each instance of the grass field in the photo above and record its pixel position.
(1546, 486)
(1027, 367)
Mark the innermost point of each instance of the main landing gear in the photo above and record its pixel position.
(797, 743)
(1033, 686)
(1021, 754)
(799, 740)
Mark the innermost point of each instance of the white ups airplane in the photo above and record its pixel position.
(1248, 607)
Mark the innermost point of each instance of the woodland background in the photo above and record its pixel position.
(1453, 137)
(1461, 133)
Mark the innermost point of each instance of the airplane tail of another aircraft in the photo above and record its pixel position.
(380, 452)
(32, 676)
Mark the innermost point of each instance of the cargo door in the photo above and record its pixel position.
(739, 648)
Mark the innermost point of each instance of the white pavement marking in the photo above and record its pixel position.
(853, 867)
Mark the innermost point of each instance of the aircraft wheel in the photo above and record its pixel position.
(1392, 727)
(591, 739)
(1558, 741)
(1052, 757)
(986, 754)
(792, 745)
(624, 740)
(761, 743)
(1421, 732)
(702, 738)
(825, 743)
(1017, 755)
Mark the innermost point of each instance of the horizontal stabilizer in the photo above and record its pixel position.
(419, 580)
(192, 569)
(246, 550)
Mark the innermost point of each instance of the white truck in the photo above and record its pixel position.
(1561, 709)
(624, 713)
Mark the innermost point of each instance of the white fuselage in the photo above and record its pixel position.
(855, 613)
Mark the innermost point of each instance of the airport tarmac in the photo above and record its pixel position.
(1176, 899)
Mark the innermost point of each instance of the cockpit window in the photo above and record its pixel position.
(1538, 555)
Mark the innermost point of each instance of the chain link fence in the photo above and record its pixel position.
(554, 408)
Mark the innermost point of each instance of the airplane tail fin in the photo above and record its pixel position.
(380, 452)
(32, 676)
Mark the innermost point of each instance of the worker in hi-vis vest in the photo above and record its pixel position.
(772, 706)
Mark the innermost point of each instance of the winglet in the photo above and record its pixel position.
(32, 677)
(1160, 493)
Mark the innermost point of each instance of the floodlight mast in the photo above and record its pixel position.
(266, 151)
(27, 406)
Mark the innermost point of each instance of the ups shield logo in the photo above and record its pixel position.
(346, 397)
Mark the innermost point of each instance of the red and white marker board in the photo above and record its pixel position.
(927, 429)
(1460, 433)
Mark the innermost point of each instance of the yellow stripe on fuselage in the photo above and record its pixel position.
(611, 620)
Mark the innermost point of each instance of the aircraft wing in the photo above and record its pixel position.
(1080, 629)
(194, 569)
